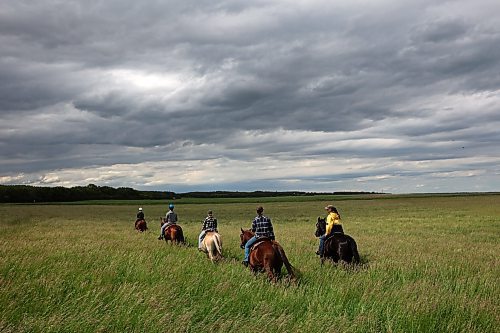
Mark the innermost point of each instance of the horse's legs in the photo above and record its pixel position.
(277, 272)
(268, 267)
(269, 271)
(210, 253)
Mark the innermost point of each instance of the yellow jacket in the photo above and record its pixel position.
(331, 219)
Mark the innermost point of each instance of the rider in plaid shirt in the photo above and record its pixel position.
(262, 227)
(209, 224)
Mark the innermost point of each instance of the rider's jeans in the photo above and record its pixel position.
(248, 246)
(163, 227)
(321, 244)
(200, 238)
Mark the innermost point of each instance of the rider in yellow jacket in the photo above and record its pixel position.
(332, 225)
(332, 220)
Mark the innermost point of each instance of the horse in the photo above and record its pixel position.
(172, 233)
(338, 246)
(141, 225)
(266, 255)
(212, 245)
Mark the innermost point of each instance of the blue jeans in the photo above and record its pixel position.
(200, 238)
(321, 244)
(163, 227)
(248, 246)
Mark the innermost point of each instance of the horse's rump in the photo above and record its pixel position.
(266, 255)
(339, 246)
(141, 225)
(212, 245)
(270, 256)
(174, 233)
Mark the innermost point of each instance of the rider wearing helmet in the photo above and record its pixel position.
(170, 218)
(140, 215)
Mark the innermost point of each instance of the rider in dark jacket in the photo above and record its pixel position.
(140, 215)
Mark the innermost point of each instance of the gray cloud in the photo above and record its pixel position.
(93, 90)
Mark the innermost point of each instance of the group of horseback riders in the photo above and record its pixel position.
(262, 227)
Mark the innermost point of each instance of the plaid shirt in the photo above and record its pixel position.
(209, 223)
(263, 227)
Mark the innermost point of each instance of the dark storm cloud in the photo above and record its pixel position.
(97, 83)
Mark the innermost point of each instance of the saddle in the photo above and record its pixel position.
(332, 234)
(170, 225)
(260, 241)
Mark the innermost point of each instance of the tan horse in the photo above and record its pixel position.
(212, 246)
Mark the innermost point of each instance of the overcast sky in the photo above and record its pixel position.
(393, 96)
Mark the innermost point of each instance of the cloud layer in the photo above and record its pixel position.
(258, 95)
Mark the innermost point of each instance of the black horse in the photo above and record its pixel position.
(338, 246)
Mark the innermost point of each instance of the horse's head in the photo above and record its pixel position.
(320, 227)
(245, 236)
(162, 221)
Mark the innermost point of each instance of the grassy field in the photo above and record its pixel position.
(430, 264)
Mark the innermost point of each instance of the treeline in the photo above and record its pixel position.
(26, 193)
(259, 194)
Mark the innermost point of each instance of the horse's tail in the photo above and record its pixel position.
(354, 249)
(218, 245)
(181, 235)
(343, 249)
(283, 256)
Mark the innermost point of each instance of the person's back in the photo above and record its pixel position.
(140, 215)
(210, 222)
(333, 223)
(262, 227)
(171, 217)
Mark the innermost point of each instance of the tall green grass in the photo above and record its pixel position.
(429, 265)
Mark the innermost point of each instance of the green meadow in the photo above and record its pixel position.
(430, 264)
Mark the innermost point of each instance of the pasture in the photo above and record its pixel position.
(430, 264)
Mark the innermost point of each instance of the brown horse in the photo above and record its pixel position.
(212, 245)
(141, 225)
(173, 233)
(266, 255)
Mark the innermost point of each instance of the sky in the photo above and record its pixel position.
(384, 96)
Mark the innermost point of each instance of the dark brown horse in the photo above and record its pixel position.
(267, 255)
(338, 246)
(173, 233)
(141, 225)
